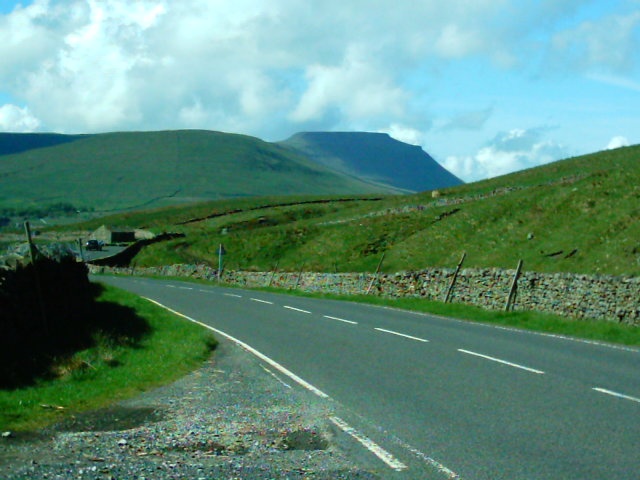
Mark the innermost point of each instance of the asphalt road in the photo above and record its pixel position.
(441, 397)
(107, 251)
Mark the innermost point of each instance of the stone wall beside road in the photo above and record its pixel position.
(577, 296)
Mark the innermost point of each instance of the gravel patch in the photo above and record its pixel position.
(231, 419)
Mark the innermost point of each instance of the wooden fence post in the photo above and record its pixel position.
(80, 249)
(221, 253)
(514, 288)
(377, 274)
(33, 253)
(453, 280)
(273, 272)
(299, 277)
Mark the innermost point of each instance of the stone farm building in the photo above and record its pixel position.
(111, 235)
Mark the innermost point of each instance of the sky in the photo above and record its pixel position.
(486, 87)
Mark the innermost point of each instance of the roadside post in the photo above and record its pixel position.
(80, 249)
(514, 288)
(221, 253)
(377, 274)
(273, 272)
(453, 280)
(33, 253)
(295, 287)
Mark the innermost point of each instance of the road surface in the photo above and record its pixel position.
(438, 398)
(107, 251)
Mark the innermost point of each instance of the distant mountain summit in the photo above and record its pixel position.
(136, 170)
(375, 157)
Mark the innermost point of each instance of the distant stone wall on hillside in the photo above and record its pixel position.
(601, 297)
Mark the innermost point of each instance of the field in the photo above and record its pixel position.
(578, 215)
(81, 175)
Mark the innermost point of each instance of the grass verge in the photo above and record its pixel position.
(595, 330)
(114, 368)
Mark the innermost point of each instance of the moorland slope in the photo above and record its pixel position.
(576, 215)
(133, 170)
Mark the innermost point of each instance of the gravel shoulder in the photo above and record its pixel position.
(232, 418)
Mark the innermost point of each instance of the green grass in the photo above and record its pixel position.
(595, 330)
(113, 369)
(586, 208)
(141, 170)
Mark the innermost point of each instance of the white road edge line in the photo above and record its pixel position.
(401, 334)
(340, 320)
(232, 295)
(296, 309)
(616, 394)
(504, 362)
(261, 301)
(450, 474)
(250, 349)
(370, 445)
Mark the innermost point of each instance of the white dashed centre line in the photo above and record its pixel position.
(185, 288)
(340, 320)
(401, 335)
(296, 309)
(261, 301)
(504, 362)
(232, 295)
(616, 394)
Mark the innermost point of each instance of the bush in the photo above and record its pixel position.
(45, 313)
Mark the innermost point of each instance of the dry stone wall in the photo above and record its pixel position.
(609, 298)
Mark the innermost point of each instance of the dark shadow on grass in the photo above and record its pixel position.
(38, 330)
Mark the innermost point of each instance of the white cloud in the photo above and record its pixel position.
(404, 134)
(90, 82)
(273, 68)
(608, 43)
(508, 152)
(455, 41)
(616, 81)
(17, 120)
(471, 120)
(617, 142)
(356, 87)
(88, 65)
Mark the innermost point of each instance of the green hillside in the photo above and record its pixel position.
(118, 171)
(577, 215)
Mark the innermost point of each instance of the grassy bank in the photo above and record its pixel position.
(117, 366)
(593, 330)
(578, 215)
(529, 320)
